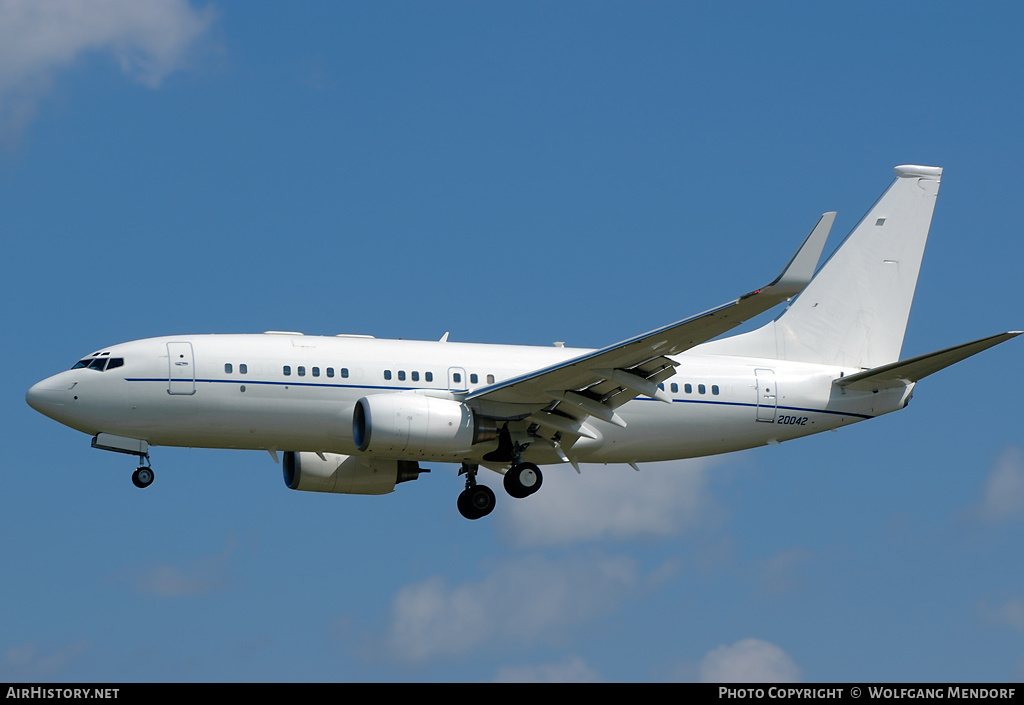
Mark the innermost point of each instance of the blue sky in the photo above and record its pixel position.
(512, 173)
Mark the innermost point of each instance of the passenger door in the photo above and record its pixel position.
(181, 377)
(767, 395)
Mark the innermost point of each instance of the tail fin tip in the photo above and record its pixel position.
(914, 171)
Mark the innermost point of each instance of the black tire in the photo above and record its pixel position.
(523, 480)
(476, 502)
(464, 508)
(143, 477)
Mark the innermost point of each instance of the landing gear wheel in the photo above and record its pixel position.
(522, 480)
(476, 502)
(143, 477)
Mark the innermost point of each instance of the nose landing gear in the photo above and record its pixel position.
(143, 476)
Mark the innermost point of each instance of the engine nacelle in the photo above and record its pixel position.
(416, 425)
(346, 474)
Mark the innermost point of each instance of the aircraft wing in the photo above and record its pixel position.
(901, 373)
(562, 396)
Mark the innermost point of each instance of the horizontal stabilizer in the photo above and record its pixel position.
(902, 373)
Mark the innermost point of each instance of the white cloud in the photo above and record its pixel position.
(149, 39)
(522, 600)
(1008, 614)
(1003, 495)
(610, 501)
(572, 670)
(1018, 672)
(26, 663)
(202, 576)
(171, 581)
(748, 661)
(780, 573)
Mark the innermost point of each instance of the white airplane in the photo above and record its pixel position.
(353, 414)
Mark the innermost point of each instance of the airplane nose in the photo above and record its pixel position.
(45, 398)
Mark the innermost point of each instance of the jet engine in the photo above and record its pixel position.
(416, 425)
(346, 474)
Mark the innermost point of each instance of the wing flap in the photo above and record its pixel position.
(564, 424)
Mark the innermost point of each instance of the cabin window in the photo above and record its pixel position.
(301, 371)
(316, 371)
(473, 378)
(688, 388)
(701, 388)
(490, 379)
(415, 376)
(227, 367)
(330, 371)
(243, 368)
(387, 374)
(675, 388)
(287, 370)
(344, 372)
(714, 389)
(456, 377)
(429, 376)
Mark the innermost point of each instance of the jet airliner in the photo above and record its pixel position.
(355, 414)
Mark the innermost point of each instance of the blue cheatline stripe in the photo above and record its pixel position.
(754, 406)
(163, 380)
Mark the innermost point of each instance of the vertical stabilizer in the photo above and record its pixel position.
(854, 312)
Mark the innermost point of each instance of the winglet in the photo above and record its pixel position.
(800, 270)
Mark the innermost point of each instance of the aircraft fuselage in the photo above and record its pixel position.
(295, 392)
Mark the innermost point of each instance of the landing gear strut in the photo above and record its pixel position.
(475, 501)
(143, 476)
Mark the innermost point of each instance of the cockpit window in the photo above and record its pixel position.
(99, 363)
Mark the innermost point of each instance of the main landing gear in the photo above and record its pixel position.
(522, 480)
(477, 501)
